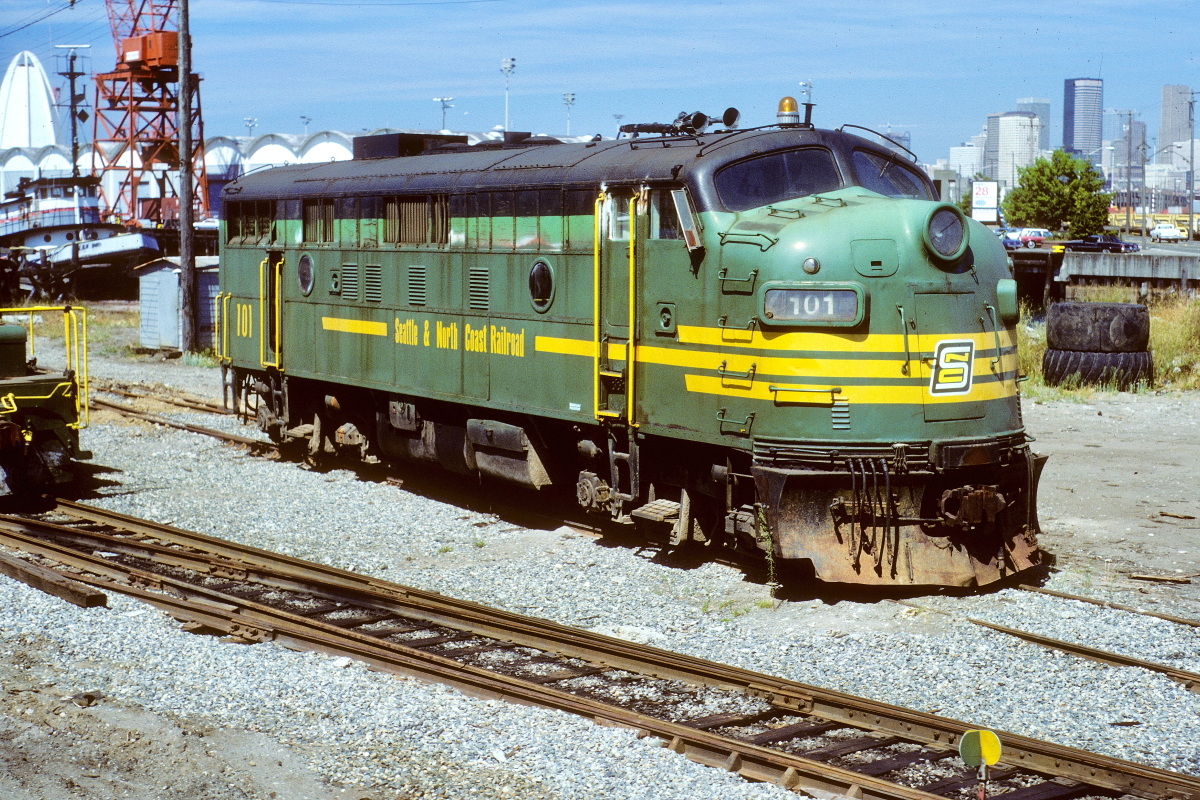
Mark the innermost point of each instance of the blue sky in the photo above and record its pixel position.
(934, 68)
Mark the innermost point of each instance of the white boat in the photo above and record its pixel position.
(105, 249)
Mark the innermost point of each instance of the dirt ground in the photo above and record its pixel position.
(1118, 497)
(1120, 494)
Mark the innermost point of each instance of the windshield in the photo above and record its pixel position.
(778, 176)
(886, 176)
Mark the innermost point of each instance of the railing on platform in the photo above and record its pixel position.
(74, 346)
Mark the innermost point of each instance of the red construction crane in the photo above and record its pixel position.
(135, 142)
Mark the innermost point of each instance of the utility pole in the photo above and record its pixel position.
(508, 66)
(1191, 170)
(445, 101)
(187, 222)
(1128, 114)
(72, 74)
(568, 101)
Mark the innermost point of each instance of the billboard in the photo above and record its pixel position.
(985, 200)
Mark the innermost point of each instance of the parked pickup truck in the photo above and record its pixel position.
(1166, 232)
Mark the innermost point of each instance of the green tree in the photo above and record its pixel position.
(1061, 190)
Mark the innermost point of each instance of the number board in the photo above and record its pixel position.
(823, 306)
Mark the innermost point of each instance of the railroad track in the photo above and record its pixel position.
(1189, 680)
(260, 447)
(190, 403)
(256, 446)
(762, 727)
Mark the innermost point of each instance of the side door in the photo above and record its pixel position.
(614, 323)
(671, 293)
(270, 305)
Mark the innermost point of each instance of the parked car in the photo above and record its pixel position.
(1033, 237)
(1166, 232)
(1102, 243)
(1011, 243)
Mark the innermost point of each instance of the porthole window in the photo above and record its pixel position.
(541, 286)
(304, 274)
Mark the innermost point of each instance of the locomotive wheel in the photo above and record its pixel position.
(1126, 368)
(1098, 327)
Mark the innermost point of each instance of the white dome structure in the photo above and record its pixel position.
(27, 114)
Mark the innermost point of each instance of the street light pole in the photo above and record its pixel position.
(445, 101)
(508, 66)
(568, 101)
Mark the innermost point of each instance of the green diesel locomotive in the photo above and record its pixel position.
(774, 338)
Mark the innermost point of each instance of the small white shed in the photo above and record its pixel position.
(160, 302)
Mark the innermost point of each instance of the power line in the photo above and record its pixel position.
(31, 16)
(20, 27)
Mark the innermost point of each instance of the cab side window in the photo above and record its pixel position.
(618, 217)
(664, 219)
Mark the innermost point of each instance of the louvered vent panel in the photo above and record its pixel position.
(479, 289)
(841, 415)
(350, 281)
(417, 291)
(373, 284)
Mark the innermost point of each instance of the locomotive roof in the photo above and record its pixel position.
(623, 161)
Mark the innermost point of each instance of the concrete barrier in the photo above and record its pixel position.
(1158, 271)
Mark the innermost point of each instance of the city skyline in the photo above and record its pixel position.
(935, 70)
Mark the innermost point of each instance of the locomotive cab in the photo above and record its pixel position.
(872, 365)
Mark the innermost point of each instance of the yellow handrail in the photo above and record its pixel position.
(216, 341)
(600, 199)
(225, 313)
(75, 354)
(631, 348)
(278, 308)
(262, 315)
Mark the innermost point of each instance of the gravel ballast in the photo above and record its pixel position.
(358, 728)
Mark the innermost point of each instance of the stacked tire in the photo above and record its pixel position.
(1099, 343)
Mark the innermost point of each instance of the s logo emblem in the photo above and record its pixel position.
(953, 364)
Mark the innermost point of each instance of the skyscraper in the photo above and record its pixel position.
(1041, 107)
(1018, 135)
(991, 151)
(1129, 155)
(1175, 125)
(1083, 117)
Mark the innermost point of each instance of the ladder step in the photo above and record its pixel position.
(605, 373)
(658, 511)
(300, 432)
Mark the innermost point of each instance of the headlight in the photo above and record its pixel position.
(946, 233)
